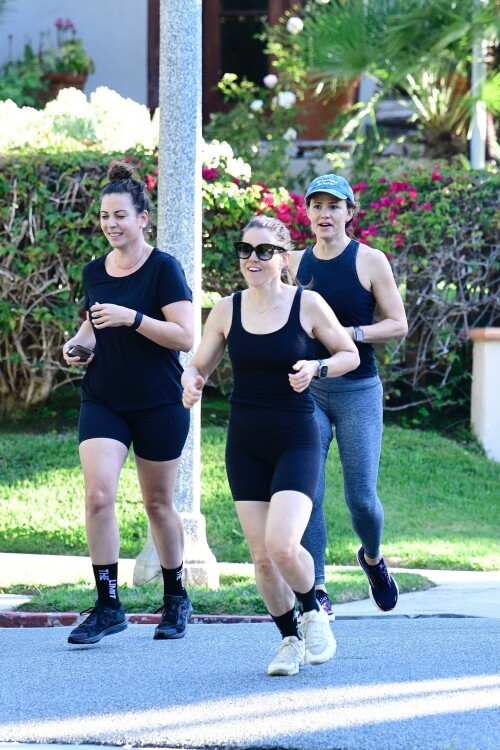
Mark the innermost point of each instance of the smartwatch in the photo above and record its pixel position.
(322, 370)
(358, 335)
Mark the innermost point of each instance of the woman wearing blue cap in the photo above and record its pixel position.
(354, 279)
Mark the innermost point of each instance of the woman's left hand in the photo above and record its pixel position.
(111, 316)
(306, 370)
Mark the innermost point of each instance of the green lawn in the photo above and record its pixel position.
(441, 500)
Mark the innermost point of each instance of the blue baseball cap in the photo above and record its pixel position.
(332, 184)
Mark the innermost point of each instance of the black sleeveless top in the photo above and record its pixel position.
(261, 362)
(338, 283)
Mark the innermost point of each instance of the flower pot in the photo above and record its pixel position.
(59, 80)
(315, 116)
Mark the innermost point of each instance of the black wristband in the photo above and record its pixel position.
(137, 320)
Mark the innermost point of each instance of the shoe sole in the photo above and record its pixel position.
(326, 655)
(109, 631)
(282, 671)
(158, 636)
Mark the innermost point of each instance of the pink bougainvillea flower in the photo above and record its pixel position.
(427, 206)
(382, 181)
(359, 186)
(385, 201)
(209, 173)
(436, 177)
(398, 240)
(297, 199)
(412, 193)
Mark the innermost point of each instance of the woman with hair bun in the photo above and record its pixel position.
(139, 316)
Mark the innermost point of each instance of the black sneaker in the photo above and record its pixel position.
(176, 612)
(383, 589)
(101, 621)
(324, 601)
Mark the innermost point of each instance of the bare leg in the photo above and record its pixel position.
(277, 594)
(157, 481)
(289, 514)
(102, 460)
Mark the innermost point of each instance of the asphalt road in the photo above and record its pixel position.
(395, 684)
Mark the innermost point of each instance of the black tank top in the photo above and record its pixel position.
(338, 283)
(261, 362)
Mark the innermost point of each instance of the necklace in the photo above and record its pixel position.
(127, 268)
(261, 312)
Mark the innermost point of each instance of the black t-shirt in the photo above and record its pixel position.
(129, 371)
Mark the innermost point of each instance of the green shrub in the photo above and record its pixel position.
(439, 227)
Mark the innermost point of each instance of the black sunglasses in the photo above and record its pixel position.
(263, 252)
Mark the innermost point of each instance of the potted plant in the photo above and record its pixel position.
(67, 64)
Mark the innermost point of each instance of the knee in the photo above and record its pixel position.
(157, 506)
(281, 551)
(98, 501)
(264, 566)
(362, 503)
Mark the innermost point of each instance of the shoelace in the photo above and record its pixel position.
(380, 578)
(313, 631)
(89, 611)
(282, 649)
(171, 607)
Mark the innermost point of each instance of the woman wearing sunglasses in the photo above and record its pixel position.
(273, 442)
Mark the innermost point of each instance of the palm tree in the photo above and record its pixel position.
(396, 43)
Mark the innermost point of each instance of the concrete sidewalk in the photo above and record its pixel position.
(456, 593)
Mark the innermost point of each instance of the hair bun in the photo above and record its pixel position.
(120, 171)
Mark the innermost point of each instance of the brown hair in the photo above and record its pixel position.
(121, 180)
(275, 226)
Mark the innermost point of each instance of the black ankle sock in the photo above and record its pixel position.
(172, 582)
(106, 580)
(287, 623)
(308, 600)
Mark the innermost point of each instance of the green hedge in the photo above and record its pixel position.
(439, 227)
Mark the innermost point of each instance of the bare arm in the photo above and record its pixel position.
(319, 320)
(84, 336)
(209, 353)
(175, 332)
(376, 272)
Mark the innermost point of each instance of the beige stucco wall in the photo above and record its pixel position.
(485, 403)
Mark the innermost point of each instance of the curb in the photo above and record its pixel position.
(63, 619)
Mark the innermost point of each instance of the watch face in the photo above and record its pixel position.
(323, 371)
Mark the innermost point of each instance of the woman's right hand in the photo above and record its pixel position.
(193, 392)
(74, 360)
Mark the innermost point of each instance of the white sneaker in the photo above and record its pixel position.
(290, 656)
(319, 641)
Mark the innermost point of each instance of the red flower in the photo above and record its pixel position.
(209, 173)
(150, 182)
(436, 177)
(359, 186)
(426, 207)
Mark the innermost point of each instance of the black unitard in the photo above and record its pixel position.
(273, 439)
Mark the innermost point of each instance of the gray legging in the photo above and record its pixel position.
(354, 408)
